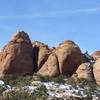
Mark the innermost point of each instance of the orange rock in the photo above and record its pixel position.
(69, 57)
(96, 55)
(81, 71)
(51, 67)
(41, 52)
(17, 56)
(97, 71)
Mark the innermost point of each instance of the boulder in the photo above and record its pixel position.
(17, 56)
(69, 57)
(51, 67)
(97, 71)
(41, 52)
(81, 71)
(96, 55)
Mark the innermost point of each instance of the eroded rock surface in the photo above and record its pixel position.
(69, 57)
(81, 71)
(51, 67)
(97, 71)
(41, 52)
(96, 55)
(17, 56)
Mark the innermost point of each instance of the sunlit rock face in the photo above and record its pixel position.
(96, 70)
(69, 57)
(63, 59)
(81, 71)
(96, 55)
(17, 56)
(51, 67)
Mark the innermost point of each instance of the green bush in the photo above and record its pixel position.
(18, 95)
(18, 81)
(59, 79)
(71, 81)
(40, 93)
(44, 78)
(1, 89)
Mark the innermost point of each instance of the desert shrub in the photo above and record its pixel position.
(92, 85)
(41, 92)
(82, 81)
(18, 81)
(59, 79)
(71, 81)
(1, 89)
(18, 95)
(44, 78)
(42, 87)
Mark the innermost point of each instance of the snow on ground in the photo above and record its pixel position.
(1, 83)
(56, 90)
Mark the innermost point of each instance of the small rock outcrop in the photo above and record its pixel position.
(96, 55)
(81, 71)
(51, 67)
(96, 70)
(17, 56)
(41, 52)
(69, 57)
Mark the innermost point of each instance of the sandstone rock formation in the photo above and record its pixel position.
(69, 57)
(17, 56)
(64, 59)
(51, 67)
(81, 71)
(20, 57)
(97, 71)
(41, 52)
(0, 54)
(96, 55)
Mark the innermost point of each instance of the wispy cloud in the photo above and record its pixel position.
(89, 10)
(52, 14)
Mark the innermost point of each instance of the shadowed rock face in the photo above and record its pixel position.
(69, 57)
(17, 56)
(41, 52)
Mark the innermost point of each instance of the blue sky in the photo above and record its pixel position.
(52, 21)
